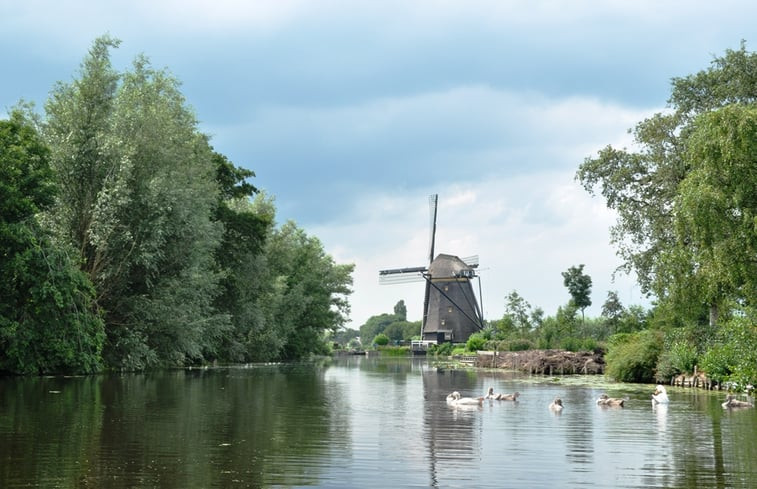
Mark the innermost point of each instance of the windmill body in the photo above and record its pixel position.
(450, 308)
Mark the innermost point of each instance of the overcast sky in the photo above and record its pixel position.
(351, 113)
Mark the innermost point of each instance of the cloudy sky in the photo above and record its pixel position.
(351, 113)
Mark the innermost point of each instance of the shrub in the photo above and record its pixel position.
(381, 340)
(633, 357)
(442, 349)
(475, 342)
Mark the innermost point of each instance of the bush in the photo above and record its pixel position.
(442, 349)
(734, 357)
(633, 357)
(381, 340)
(475, 342)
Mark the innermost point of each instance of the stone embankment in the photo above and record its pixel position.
(548, 362)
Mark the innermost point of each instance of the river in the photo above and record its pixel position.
(357, 422)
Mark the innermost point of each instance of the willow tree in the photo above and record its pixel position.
(658, 232)
(137, 198)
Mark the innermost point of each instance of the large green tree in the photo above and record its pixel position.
(716, 210)
(138, 191)
(676, 217)
(47, 320)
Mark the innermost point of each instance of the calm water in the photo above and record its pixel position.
(362, 422)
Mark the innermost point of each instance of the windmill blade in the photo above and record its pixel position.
(401, 278)
(432, 202)
(471, 261)
(401, 275)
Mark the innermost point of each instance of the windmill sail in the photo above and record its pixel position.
(432, 201)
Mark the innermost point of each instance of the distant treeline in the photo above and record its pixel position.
(127, 242)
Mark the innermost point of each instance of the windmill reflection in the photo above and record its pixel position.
(451, 433)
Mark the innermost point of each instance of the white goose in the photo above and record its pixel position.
(660, 395)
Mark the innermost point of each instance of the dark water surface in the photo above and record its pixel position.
(362, 423)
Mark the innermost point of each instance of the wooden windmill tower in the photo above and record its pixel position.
(451, 311)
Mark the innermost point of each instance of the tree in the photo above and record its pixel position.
(240, 257)
(579, 287)
(138, 190)
(47, 320)
(613, 310)
(400, 310)
(716, 210)
(307, 295)
(675, 242)
(517, 312)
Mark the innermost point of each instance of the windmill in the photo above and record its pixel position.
(450, 309)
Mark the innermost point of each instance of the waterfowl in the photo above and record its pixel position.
(731, 402)
(604, 400)
(508, 397)
(451, 398)
(660, 395)
(501, 397)
(455, 399)
(556, 405)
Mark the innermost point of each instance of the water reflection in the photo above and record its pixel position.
(361, 422)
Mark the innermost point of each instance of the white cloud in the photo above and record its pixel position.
(527, 225)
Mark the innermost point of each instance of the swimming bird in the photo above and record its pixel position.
(508, 397)
(556, 405)
(455, 399)
(731, 402)
(501, 397)
(660, 395)
(604, 400)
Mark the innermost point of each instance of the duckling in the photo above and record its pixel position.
(501, 397)
(604, 400)
(556, 405)
(508, 397)
(731, 402)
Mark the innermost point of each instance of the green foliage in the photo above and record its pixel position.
(240, 256)
(400, 310)
(395, 325)
(632, 357)
(685, 201)
(579, 286)
(579, 344)
(475, 342)
(381, 340)
(308, 295)
(395, 351)
(733, 356)
(441, 349)
(185, 268)
(47, 318)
